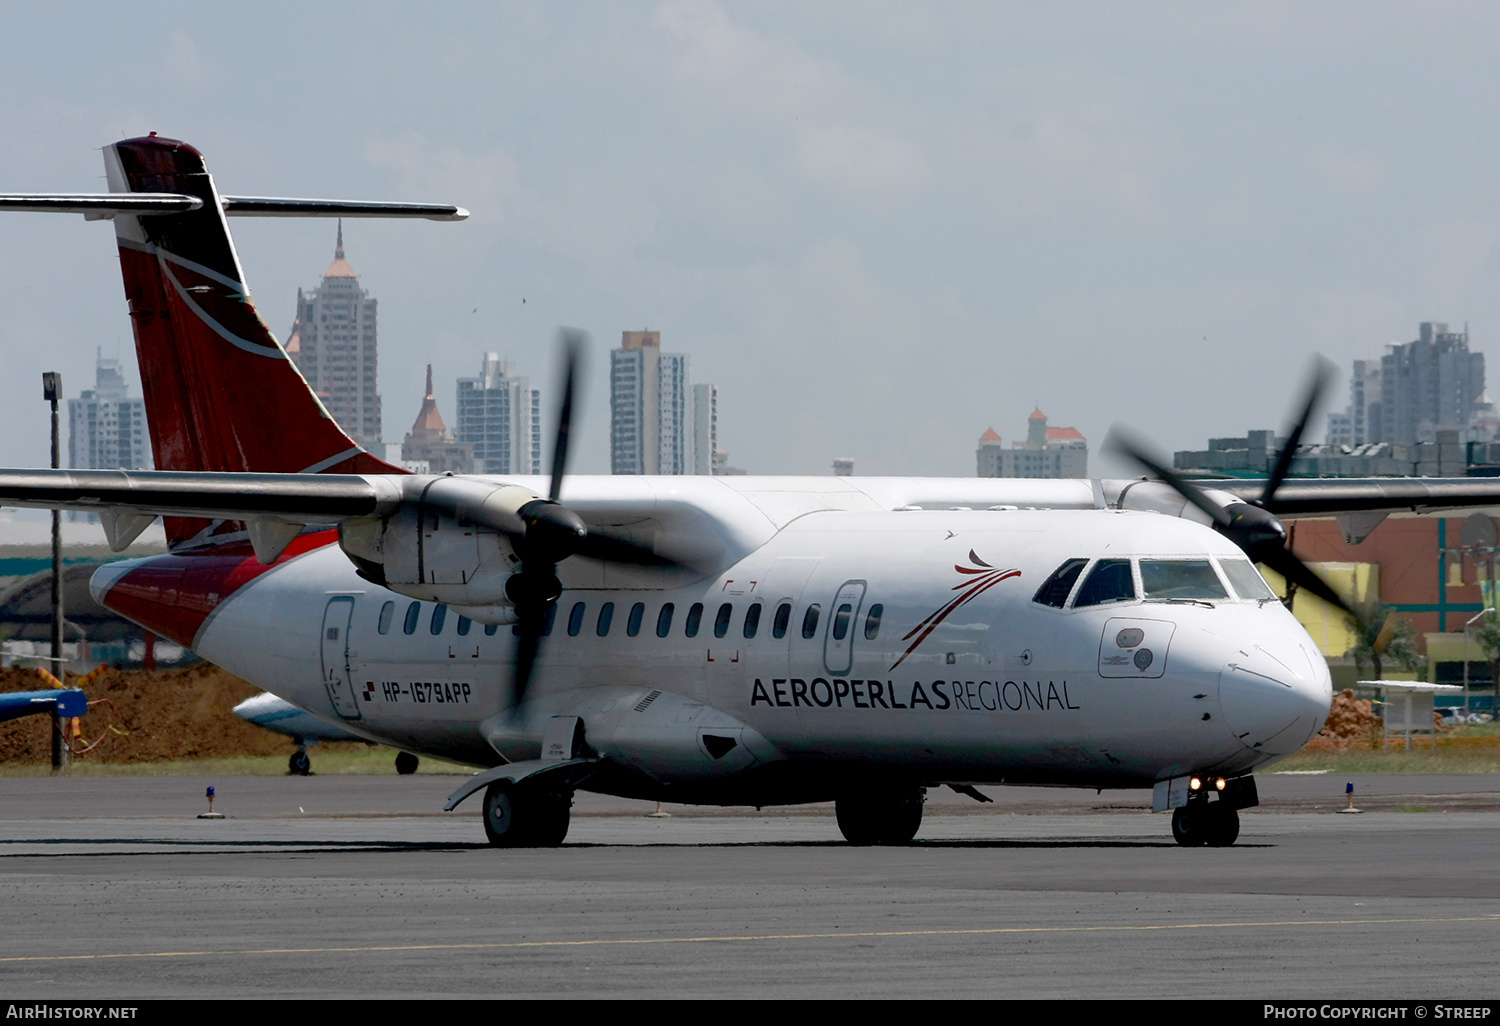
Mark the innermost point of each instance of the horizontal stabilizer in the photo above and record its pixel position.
(101, 206)
(271, 206)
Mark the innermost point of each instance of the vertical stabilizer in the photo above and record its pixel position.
(220, 392)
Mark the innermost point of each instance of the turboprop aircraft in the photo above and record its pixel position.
(737, 640)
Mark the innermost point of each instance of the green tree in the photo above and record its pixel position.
(1382, 637)
(1487, 633)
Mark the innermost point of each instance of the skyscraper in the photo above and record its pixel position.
(107, 428)
(500, 415)
(333, 345)
(651, 423)
(1432, 384)
(706, 430)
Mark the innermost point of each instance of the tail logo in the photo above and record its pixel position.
(978, 578)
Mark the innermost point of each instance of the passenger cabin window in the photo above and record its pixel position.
(1246, 580)
(721, 622)
(1055, 589)
(549, 620)
(464, 623)
(841, 621)
(780, 621)
(606, 616)
(633, 621)
(872, 621)
(752, 620)
(490, 629)
(387, 613)
(1109, 581)
(575, 620)
(694, 619)
(413, 614)
(810, 620)
(1184, 580)
(439, 615)
(664, 621)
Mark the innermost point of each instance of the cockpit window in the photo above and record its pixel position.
(1191, 579)
(1055, 590)
(1246, 580)
(1109, 581)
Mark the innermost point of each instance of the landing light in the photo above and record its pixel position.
(1195, 784)
(1221, 783)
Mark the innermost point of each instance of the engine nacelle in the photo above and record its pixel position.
(450, 540)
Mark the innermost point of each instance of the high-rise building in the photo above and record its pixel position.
(1432, 384)
(107, 428)
(651, 423)
(1055, 452)
(333, 345)
(428, 447)
(500, 416)
(706, 430)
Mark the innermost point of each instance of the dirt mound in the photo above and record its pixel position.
(1351, 717)
(156, 715)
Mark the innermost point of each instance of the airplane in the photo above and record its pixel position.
(710, 640)
(279, 716)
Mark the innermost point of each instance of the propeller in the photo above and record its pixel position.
(551, 532)
(1251, 525)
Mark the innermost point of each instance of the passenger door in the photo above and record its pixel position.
(337, 677)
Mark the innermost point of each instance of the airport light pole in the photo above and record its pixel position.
(52, 392)
(1468, 624)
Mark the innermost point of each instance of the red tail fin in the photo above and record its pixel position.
(220, 392)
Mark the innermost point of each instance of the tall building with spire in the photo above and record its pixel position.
(428, 447)
(333, 344)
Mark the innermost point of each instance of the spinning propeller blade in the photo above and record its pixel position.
(552, 532)
(1251, 526)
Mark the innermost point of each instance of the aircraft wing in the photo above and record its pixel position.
(297, 498)
(1330, 497)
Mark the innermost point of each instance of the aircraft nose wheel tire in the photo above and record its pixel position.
(523, 817)
(885, 817)
(406, 763)
(1199, 823)
(299, 765)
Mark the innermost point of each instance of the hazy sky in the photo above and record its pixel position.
(880, 228)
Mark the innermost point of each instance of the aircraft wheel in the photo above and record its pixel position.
(406, 763)
(299, 765)
(522, 817)
(553, 815)
(500, 821)
(1223, 825)
(1189, 828)
(890, 817)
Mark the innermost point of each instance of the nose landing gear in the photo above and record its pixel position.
(881, 817)
(1216, 824)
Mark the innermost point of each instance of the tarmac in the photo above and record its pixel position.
(345, 886)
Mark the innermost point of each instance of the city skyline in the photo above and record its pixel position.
(859, 216)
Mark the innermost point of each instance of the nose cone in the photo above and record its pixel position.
(1275, 694)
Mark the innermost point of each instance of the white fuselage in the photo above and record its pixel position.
(1002, 688)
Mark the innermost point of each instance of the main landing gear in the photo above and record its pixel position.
(517, 816)
(890, 816)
